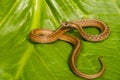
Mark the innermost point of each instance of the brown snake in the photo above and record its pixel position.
(48, 36)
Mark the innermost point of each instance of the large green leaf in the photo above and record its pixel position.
(22, 60)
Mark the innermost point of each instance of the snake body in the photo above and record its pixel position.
(48, 36)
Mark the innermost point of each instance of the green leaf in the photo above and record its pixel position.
(22, 60)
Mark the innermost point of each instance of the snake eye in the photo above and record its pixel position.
(65, 24)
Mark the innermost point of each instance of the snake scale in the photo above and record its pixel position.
(49, 36)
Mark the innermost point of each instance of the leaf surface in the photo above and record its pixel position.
(22, 60)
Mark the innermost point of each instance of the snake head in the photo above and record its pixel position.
(65, 24)
(70, 25)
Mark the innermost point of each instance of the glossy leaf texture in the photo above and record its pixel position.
(20, 59)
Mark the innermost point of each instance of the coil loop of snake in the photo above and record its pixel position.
(48, 36)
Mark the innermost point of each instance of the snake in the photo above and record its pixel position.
(50, 36)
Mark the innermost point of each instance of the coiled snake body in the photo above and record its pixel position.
(48, 36)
